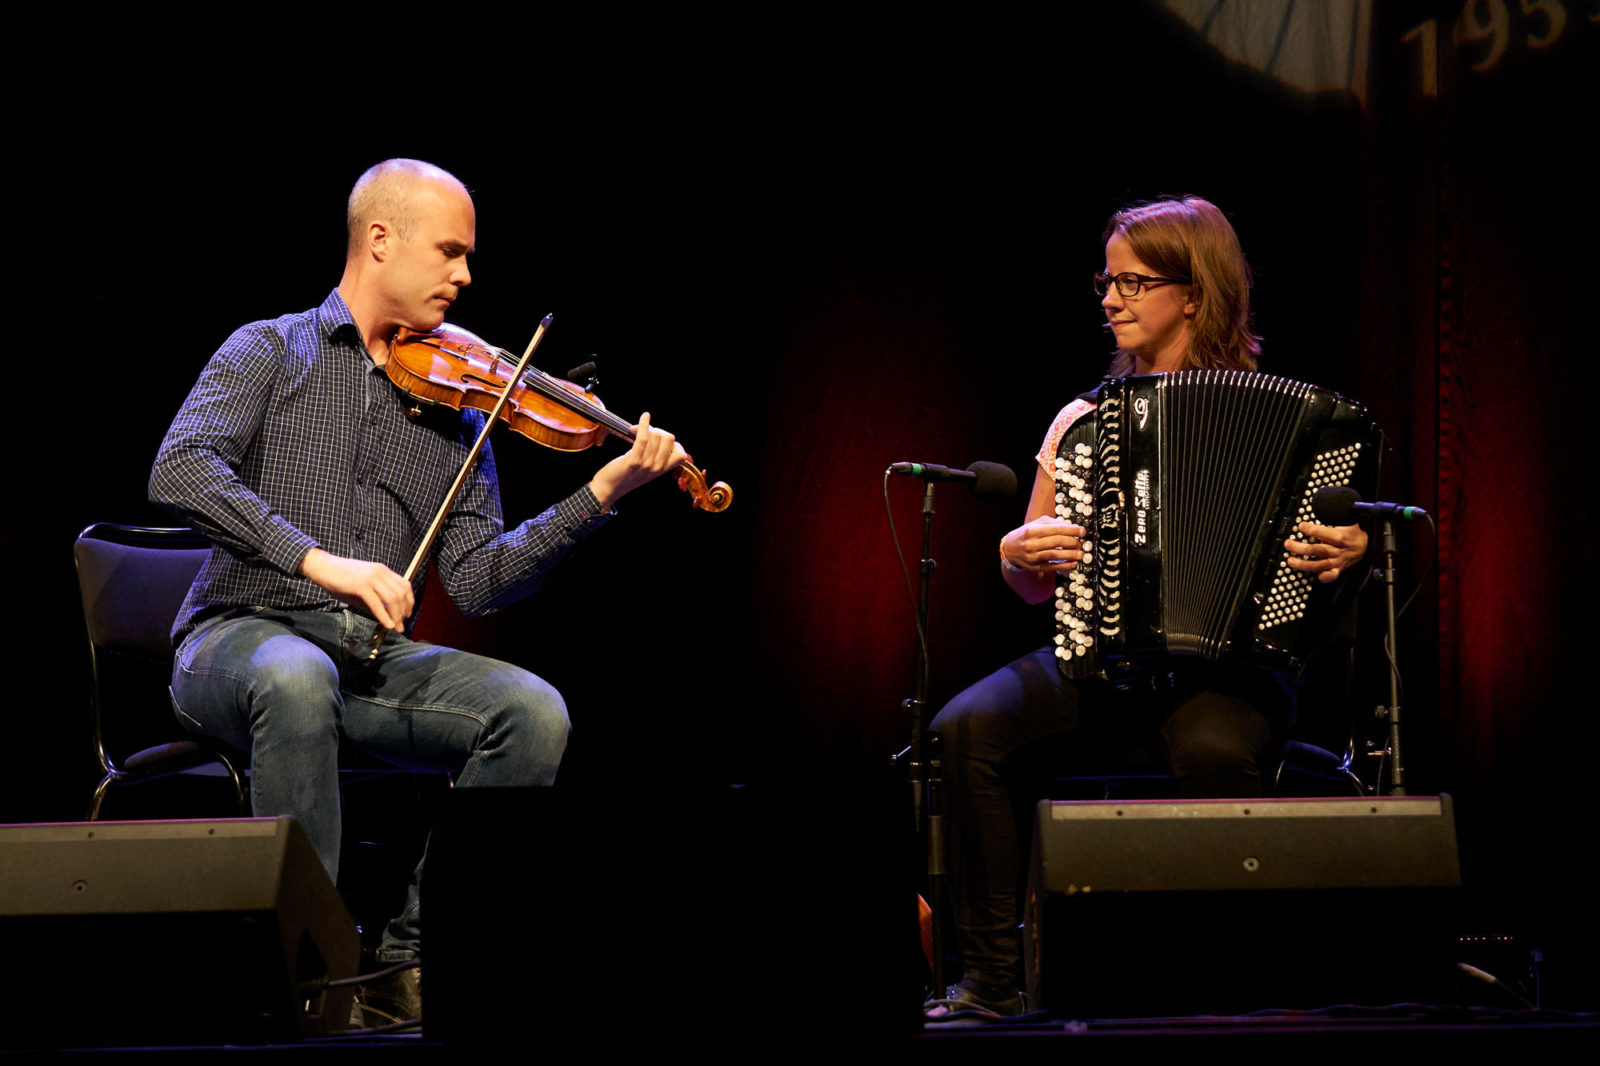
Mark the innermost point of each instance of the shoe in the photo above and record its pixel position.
(390, 1000)
(969, 1001)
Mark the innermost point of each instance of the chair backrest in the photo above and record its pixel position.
(133, 580)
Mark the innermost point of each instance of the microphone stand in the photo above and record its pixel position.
(1391, 713)
(927, 802)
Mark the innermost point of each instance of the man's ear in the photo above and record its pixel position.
(380, 239)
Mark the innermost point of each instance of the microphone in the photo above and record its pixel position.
(984, 479)
(1340, 505)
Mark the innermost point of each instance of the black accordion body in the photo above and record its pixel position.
(1188, 484)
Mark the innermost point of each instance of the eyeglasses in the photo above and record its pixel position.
(1130, 284)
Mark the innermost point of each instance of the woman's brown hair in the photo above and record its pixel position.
(1187, 237)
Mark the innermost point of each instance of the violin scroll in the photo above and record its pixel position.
(714, 498)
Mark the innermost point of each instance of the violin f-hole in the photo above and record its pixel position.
(488, 383)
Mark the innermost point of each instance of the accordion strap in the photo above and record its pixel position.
(1058, 429)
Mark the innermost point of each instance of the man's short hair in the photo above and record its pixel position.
(384, 192)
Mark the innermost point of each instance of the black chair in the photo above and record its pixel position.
(1320, 759)
(1300, 767)
(133, 580)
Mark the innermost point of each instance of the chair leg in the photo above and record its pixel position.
(238, 787)
(99, 797)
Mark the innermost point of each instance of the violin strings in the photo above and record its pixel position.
(541, 382)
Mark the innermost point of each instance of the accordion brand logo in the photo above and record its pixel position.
(1141, 407)
(1141, 507)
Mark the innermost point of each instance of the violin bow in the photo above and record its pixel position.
(461, 478)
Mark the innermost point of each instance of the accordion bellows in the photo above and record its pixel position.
(1188, 484)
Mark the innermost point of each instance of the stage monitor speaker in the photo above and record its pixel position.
(183, 932)
(1223, 906)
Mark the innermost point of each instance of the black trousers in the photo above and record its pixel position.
(1008, 735)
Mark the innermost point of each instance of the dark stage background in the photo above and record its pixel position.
(819, 247)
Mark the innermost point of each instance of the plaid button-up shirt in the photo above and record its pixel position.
(293, 439)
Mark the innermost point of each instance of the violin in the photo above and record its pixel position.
(456, 368)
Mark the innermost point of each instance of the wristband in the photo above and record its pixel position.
(1007, 563)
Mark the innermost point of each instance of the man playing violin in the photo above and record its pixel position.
(297, 457)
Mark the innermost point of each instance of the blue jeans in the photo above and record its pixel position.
(286, 686)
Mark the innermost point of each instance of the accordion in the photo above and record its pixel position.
(1188, 484)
